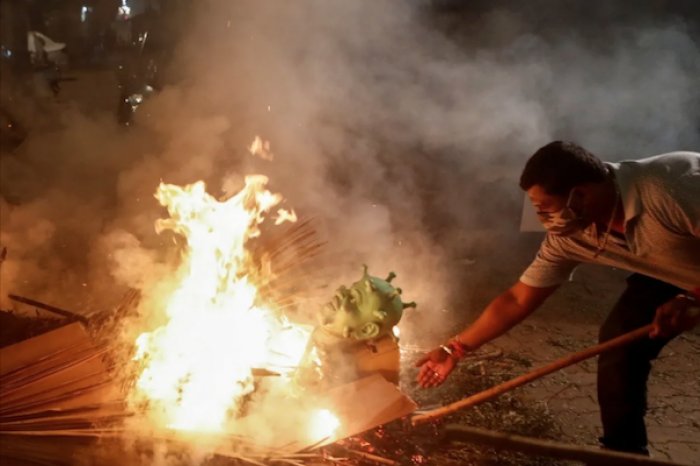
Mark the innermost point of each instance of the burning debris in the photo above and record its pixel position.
(198, 376)
(198, 366)
(261, 149)
(199, 372)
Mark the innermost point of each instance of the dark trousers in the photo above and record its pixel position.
(623, 372)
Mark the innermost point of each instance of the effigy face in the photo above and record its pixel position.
(368, 310)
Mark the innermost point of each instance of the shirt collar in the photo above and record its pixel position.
(628, 192)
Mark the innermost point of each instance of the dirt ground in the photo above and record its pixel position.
(569, 322)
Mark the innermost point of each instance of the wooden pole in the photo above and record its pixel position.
(548, 449)
(69, 315)
(536, 374)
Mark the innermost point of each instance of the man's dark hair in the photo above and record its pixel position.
(560, 166)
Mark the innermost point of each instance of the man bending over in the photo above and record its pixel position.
(642, 216)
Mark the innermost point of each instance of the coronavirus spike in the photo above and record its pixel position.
(411, 304)
(344, 305)
(391, 276)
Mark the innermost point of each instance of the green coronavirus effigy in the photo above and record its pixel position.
(367, 310)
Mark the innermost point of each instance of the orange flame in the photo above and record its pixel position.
(198, 366)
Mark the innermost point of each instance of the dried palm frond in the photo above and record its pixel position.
(283, 250)
(283, 259)
(53, 383)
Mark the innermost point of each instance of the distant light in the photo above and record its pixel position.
(125, 10)
(83, 14)
(135, 99)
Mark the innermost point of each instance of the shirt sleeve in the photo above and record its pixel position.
(675, 200)
(551, 267)
(688, 199)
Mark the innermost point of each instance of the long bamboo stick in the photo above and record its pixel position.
(548, 449)
(498, 390)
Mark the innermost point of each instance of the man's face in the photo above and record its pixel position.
(560, 214)
(546, 203)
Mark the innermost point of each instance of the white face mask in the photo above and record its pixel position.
(563, 222)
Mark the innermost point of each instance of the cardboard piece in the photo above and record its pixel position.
(383, 359)
(365, 404)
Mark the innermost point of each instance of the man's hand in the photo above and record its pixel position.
(436, 366)
(678, 315)
(504, 312)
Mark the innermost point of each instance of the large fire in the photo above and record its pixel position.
(198, 366)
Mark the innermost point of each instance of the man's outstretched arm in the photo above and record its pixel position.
(504, 312)
(543, 277)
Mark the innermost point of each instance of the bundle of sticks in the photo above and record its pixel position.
(281, 259)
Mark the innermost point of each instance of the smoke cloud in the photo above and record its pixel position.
(405, 126)
(401, 125)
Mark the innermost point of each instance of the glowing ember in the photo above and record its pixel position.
(198, 366)
(285, 216)
(325, 425)
(261, 149)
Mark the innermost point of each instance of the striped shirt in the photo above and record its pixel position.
(661, 200)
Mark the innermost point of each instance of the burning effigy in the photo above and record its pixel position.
(199, 373)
